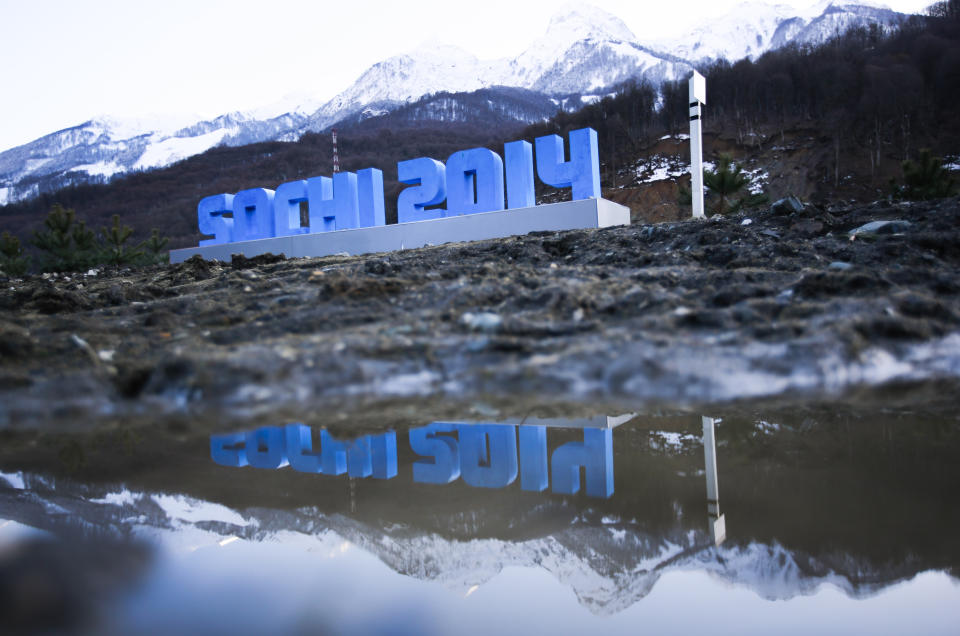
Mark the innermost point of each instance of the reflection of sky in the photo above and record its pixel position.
(320, 583)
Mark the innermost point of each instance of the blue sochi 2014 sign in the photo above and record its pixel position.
(471, 181)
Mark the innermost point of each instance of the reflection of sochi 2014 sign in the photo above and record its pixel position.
(483, 455)
(346, 212)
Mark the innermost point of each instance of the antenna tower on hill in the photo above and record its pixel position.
(336, 155)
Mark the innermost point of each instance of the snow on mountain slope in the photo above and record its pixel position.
(592, 66)
(405, 78)
(747, 31)
(571, 25)
(753, 28)
(103, 147)
(837, 19)
(173, 149)
(583, 51)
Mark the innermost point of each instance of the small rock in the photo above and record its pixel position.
(746, 222)
(807, 227)
(839, 265)
(15, 341)
(788, 205)
(882, 227)
(379, 266)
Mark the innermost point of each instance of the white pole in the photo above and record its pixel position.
(718, 524)
(698, 96)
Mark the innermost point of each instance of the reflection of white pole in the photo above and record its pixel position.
(717, 521)
(698, 96)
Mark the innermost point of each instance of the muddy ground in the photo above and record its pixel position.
(771, 302)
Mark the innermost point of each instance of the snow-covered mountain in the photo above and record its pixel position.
(584, 52)
(584, 49)
(97, 149)
(753, 28)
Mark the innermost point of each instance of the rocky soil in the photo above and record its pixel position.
(788, 300)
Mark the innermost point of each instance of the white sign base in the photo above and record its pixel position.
(570, 215)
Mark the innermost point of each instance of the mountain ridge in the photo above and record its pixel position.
(584, 51)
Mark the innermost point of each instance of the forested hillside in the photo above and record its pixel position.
(849, 111)
(820, 122)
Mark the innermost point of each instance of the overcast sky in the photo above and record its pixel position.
(65, 61)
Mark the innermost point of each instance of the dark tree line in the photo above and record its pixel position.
(882, 94)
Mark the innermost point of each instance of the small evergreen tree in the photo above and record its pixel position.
(86, 246)
(925, 178)
(12, 260)
(57, 241)
(725, 183)
(115, 252)
(155, 246)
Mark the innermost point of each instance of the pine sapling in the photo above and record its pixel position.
(926, 178)
(86, 247)
(726, 181)
(155, 245)
(114, 238)
(12, 260)
(56, 240)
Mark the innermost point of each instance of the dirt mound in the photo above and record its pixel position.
(755, 304)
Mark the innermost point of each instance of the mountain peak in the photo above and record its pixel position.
(578, 21)
(429, 51)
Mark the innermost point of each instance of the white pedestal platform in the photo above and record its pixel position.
(569, 215)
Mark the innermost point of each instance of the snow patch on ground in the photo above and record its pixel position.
(764, 427)
(663, 167)
(759, 178)
(670, 441)
(660, 168)
(409, 383)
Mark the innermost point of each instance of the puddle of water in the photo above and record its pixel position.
(794, 519)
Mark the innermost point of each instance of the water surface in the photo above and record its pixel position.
(828, 519)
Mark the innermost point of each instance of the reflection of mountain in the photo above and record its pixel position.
(610, 565)
(811, 498)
